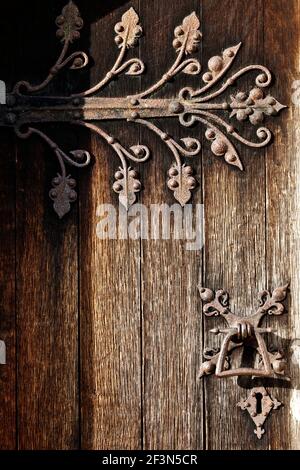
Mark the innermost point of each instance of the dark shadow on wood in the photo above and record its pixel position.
(281, 382)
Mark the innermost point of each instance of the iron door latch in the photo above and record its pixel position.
(242, 332)
(245, 332)
(26, 107)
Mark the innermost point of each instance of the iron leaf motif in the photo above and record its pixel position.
(128, 30)
(209, 105)
(127, 185)
(63, 194)
(218, 66)
(254, 106)
(182, 182)
(187, 35)
(69, 23)
(222, 147)
(272, 303)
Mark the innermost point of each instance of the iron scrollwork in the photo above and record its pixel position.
(202, 105)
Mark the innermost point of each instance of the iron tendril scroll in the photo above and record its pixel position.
(25, 107)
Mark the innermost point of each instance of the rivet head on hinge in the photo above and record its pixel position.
(134, 101)
(135, 115)
(176, 107)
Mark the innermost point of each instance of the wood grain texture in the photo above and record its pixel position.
(109, 277)
(105, 337)
(8, 429)
(234, 201)
(47, 312)
(172, 397)
(46, 275)
(8, 411)
(7, 293)
(282, 37)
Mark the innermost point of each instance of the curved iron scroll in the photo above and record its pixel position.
(25, 107)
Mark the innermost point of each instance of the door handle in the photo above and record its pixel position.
(242, 332)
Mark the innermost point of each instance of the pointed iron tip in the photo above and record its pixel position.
(237, 164)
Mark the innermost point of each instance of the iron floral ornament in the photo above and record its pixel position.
(25, 107)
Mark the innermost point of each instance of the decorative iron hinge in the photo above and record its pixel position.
(23, 110)
(246, 332)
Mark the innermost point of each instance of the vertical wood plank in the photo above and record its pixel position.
(109, 275)
(47, 311)
(282, 39)
(235, 221)
(8, 431)
(172, 407)
(47, 269)
(7, 293)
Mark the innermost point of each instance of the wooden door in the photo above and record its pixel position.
(104, 337)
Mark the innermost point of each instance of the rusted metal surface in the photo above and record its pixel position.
(190, 107)
(243, 332)
(246, 332)
(69, 24)
(259, 405)
(63, 191)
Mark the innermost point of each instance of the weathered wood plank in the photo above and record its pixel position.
(172, 407)
(46, 310)
(7, 293)
(109, 276)
(235, 221)
(8, 430)
(282, 39)
(47, 276)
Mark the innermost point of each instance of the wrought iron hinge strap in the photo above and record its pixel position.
(23, 110)
(48, 109)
